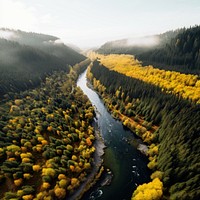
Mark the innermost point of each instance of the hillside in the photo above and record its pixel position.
(46, 140)
(182, 53)
(186, 86)
(173, 146)
(174, 50)
(26, 59)
(137, 45)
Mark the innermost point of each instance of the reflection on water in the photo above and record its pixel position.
(128, 165)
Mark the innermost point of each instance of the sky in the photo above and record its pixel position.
(90, 23)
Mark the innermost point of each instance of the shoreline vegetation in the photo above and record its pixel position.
(186, 86)
(168, 123)
(139, 127)
(142, 146)
(97, 168)
(49, 146)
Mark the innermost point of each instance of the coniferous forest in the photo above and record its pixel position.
(28, 58)
(176, 50)
(48, 135)
(174, 151)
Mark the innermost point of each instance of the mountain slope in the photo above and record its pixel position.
(49, 44)
(177, 50)
(26, 59)
(182, 53)
(137, 45)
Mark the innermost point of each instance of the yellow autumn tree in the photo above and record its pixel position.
(60, 192)
(186, 86)
(150, 191)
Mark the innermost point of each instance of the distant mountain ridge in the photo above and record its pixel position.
(137, 45)
(27, 58)
(177, 50)
(47, 43)
(182, 53)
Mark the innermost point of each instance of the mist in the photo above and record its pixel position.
(54, 42)
(7, 34)
(148, 41)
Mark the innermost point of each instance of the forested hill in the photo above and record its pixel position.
(174, 145)
(136, 46)
(174, 50)
(49, 44)
(26, 59)
(182, 53)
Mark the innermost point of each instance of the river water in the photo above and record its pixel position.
(127, 164)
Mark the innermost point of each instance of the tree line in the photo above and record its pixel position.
(46, 139)
(182, 53)
(175, 159)
(28, 58)
(185, 86)
(176, 50)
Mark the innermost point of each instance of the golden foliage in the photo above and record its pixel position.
(185, 85)
(88, 141)
(63, 183)
(18, 182)
(74, 158)
(18, 102)
(152, 164)
(36, 168)
(25, 155)
(61, 176)
(44, 137)
(46, 185)
(60, 193)
(27, 197)
(72, 168)
(150, 191)
(74, 181)
(48, 172)
(27, 176)
(26, 160)
(13, 148)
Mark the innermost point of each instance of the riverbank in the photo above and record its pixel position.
(122, 108)
(97, 168)
(127, 165)
(128, 122)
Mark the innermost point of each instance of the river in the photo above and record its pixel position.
(127, 164)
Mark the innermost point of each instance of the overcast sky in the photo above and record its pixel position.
(88, 23)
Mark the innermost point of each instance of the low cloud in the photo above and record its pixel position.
(55, 42)
(7, 34)
(143, 41)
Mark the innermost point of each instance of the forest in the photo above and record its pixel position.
(46, 122)
(186, 86)
(168, 123)
(27, 58)
(135, 47)
(46, 139)
(176, 50)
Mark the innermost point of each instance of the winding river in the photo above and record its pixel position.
(127, 164)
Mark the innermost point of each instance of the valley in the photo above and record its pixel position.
(120, 122)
